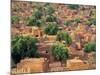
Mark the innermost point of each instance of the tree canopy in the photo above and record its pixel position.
(51, 29)
(59, 51)
(64, 36)
(23, 46)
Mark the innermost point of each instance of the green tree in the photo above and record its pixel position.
(14, 19)
(77, 20)
(67, 23)
(73, 6)
(89, 47)
(50, 10)
(91, 21)
(50, 18)
(60, 52)
(37, 14)
(33, 22)
(23, 46)
(62, 35)
(51, 29)
(35, 19)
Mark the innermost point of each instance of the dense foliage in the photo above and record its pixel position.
(67, 23)
(89, 47)
(50, 10)
(35, 19)
(73, 6)
(59, 51)
(37, 14)
(14, 19)
(77, 20)
(23, 46)
(50, 18)
(33, 22)
(91, 21)
(51, 29)
(64, 36)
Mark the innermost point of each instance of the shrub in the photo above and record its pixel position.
(77, 20)
(64, 36)
(59, 51)
(33, 22)
(91, 21)
(28, 21)
(37, 14)
(14, 19)
(73, 6)
(89, 47)
(50, 18)
(50, 10)
(51, 29)
(67, 23)
(23, 46)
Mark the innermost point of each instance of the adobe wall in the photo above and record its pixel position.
(32, 65)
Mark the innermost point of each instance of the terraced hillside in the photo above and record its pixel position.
(51, 33)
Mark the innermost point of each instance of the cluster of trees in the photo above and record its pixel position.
(76, 20)
(23, 46)
(35, 20)
(38, 15)
(50, 17)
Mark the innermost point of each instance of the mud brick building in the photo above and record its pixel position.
(32, 65)
(77, 64)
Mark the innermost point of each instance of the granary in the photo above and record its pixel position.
(32, 31)
(37, 32)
